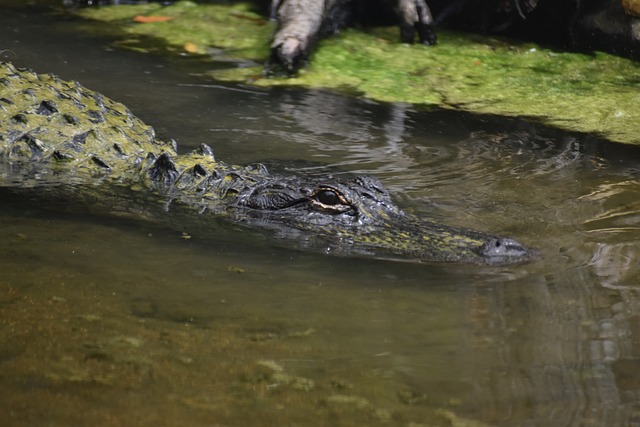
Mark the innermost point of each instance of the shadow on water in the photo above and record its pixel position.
(118, 322)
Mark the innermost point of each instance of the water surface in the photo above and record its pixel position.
(117, 322)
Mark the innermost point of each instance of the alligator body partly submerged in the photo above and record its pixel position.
(59, 137)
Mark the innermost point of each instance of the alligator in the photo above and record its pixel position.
(57, 137)
(302, 22)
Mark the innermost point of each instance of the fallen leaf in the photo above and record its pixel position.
(190, 47)
(148, 19)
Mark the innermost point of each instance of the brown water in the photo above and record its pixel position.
(112, 323)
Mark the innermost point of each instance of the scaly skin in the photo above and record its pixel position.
(302, 22)
(57, 136)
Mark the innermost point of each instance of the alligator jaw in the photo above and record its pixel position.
(428, 249)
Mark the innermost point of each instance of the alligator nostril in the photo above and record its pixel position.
(502, 247)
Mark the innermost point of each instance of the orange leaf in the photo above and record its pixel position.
(190, 47)
(147, 19)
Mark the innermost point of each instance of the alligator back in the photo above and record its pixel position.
(67, 128)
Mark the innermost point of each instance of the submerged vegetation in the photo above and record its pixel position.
(596, 93)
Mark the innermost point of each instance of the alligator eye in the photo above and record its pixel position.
(328, 197)
(329, 200)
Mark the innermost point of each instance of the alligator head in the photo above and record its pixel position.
(342, 217)
(358, 217)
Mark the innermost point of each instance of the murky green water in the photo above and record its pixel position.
(107, 322)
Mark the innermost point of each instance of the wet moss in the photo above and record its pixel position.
(232, 31)
(595, 93)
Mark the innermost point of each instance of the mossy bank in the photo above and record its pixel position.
(596, 93)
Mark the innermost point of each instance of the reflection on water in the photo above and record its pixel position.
(105, 322)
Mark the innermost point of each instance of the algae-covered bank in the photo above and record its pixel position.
(595, 93)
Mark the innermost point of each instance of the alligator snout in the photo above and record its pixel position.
(501, 249)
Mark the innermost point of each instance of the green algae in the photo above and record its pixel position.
(595, 93)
